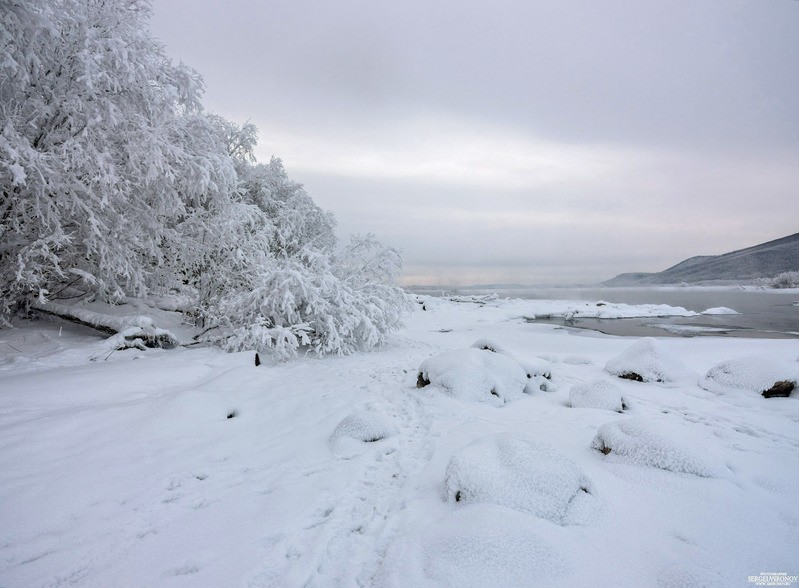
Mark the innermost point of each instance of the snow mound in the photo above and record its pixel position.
(758, 374)
(667, 445)
(476, 546)
(539, 371)
(596, 394)
(365, 426)
(519, 473)
(577, 360)
(720, 310)
(536, 366)
(488, 344)
(474, 375)
(647, 361)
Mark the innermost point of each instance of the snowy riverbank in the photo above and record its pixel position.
(191, 467)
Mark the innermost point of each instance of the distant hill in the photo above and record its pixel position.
(760, 261)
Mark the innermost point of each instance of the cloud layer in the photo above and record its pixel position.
(519, 142)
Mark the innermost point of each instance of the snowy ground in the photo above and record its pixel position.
(123, 469)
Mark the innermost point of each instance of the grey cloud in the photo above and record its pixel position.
(618, 136)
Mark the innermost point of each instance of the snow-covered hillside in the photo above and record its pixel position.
(192, 467)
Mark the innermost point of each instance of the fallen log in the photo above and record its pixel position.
(126, 331)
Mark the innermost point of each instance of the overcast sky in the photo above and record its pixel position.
(518, 141)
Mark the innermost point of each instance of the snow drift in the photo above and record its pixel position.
(517, 472)
(480, 545)
(657, 443)
(647, 361)
(759, 374)
(474, 375)
(596, 394)
(365, 426)
(538, 370)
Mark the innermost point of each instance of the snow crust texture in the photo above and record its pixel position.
(648, 359)
(476, 375)
(517, 472)
(475, 546)
(657, 443)
(751, 374)
(598, 393)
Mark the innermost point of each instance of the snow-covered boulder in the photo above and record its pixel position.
(647, 361)
(538, 370)
(474, 375)
(760, 374)
(364, 425)
(596, 394)
(657, 443)
(519, 473)
(535, 366)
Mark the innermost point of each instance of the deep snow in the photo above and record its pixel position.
(123, 468)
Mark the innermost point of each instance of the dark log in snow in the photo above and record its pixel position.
(127, 331)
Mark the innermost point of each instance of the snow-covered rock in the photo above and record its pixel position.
(657, 443)
(647, 361)
(598, 393)
(364, 425)
(517, 472)
(474, 375)
(538, 370)
(759, 374)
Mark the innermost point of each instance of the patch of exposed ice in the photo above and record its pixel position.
(688, 330)
(720, 310)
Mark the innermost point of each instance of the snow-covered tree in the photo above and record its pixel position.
(115, 183)
(102, 141)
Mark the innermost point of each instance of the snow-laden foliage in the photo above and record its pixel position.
(102, 144)
(783, 280)
(115, 183)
